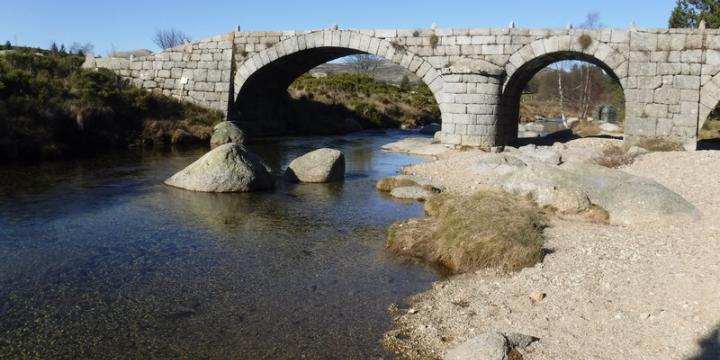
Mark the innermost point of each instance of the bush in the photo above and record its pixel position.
(467, 233)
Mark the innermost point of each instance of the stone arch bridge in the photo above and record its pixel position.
(670, 78)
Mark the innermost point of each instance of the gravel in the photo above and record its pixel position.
(612, 292)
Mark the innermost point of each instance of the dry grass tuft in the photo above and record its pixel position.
(584, 128)
(659, 144)
(711, 130)
(434, 40)
(585, 41)
(387, 184)
(614, 157)
(467, 233)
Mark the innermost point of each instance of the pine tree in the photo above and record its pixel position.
(54, 48)
(8, 45)
(689, 14)
(62, 49)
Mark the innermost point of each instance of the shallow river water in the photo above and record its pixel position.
(98, 259)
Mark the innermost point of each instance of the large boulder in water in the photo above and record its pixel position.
(226, 132)
(319, 166)
(227, 168)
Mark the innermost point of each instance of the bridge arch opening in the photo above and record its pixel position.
(709, 115)
(264, 106)
(560, 96)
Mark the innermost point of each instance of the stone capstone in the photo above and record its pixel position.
(226, 132)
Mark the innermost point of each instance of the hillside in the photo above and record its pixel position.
(51, 108)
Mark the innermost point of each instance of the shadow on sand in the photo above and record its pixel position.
(712, 144)
(561, 136)
(709, 346)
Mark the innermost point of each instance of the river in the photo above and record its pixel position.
(98, 259)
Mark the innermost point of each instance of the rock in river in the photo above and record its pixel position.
(227, 168)
(226, 132)
(319, 166)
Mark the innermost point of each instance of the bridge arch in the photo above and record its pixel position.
(531, 58)
(709, 99)
(271, 71)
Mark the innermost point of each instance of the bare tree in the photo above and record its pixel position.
(81, 49)
(364, 63)
(169, 38)
(592, 21)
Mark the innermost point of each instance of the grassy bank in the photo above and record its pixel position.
(372, 103)
(50, 108)
(468, 233)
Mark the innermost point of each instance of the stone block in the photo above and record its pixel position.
(643, 69)
(691, 56)
(667, 95)
(213, 76)
(687, 82)
(455, 88)
(453, 108)
(200, 74)
(649, 82)
(664, 127)
(641, 41)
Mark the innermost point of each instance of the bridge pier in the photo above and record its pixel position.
(470, 106)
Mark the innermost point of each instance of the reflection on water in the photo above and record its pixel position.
(99, 260)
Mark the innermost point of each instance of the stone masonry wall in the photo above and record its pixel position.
(670, 77)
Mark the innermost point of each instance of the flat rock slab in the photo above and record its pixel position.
(411, 193)
(490, 346)
(416, 146)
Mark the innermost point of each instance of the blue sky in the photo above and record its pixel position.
(130, 24)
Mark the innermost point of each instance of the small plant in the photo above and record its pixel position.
(585, 41)
(434, 40)
(659, 144)
(416, 33)
(268, 45)
(397, 46)
(614, 157)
